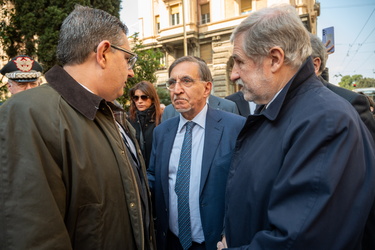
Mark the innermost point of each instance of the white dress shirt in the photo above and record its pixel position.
(195, 175)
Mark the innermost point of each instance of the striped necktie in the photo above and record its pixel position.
(182, 188)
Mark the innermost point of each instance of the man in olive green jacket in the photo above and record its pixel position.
(71, 175)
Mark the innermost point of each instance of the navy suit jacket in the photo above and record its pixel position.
(242, 104)
(213, 101)
(221, 132)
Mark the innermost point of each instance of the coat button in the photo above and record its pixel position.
(123, 152)
(132, 205)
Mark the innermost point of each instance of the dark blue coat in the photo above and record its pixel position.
(303, 171)
(221, 132)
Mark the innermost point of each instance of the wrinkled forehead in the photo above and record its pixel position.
(185, 69)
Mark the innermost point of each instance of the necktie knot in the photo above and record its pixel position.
(189, 126)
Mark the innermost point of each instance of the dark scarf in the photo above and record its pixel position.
(146, 115)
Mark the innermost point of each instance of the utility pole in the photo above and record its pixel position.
(184, 28)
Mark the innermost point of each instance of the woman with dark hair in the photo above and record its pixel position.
(144, 115)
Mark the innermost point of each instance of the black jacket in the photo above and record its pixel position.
(144, 125)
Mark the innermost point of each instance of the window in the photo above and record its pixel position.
(157, 24)
(175, 14)
(206, 52)
(245, 6)
(205, 13)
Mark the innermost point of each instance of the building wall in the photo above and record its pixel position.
(209, 40)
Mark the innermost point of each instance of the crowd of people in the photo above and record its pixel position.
(287, 162)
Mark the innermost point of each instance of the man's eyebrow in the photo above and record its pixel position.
(180, 77)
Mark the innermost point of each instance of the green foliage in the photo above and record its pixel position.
(164, 96)
(366, 83)
(33, 26)
(3, 92)
(144, 70)
(356, 81)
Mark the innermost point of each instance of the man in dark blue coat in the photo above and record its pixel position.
(213, 140)
(302, 175)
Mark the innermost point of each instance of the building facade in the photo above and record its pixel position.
(202, 28)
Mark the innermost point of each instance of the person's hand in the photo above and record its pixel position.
(328, 49)
(222, 244)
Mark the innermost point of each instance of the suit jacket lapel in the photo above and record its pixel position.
(213, 133)
(169, 136)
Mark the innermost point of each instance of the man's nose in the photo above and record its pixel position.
(234, 76)
(130, 73)
(178, 88)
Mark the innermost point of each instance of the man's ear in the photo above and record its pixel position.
(208, 88)
(317, 62)
(102, 53)
(277, 58)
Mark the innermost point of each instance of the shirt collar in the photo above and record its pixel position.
(199, 119)
(274, 98)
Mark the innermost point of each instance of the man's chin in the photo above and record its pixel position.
(183, 110)
(248, 96)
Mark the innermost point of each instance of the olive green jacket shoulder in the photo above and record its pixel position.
(65, 179)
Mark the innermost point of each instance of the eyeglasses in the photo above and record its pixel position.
(184, 82)
(131, 60)
(143, 97)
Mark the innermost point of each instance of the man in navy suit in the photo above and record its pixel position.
(213, 142)
(214, 102)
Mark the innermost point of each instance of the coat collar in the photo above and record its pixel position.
(73, 93)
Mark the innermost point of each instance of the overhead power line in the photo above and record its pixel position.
(360, 44)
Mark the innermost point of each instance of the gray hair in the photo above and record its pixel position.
(204, 71)
(276, 26)
(83, 30)
(318, 50)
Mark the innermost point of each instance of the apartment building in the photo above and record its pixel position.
(202, 28)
